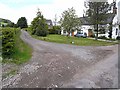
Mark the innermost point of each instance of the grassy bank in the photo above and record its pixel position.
(22, 51)
(75, 40)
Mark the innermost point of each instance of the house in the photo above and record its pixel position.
(5, 22)
(64, 32)
(2, 24)
(49, 23)
(88, 27)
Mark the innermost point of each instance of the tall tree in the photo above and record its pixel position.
(97, 12)
(22, 22)
(55, 20)
(39, 26)
(70, 21)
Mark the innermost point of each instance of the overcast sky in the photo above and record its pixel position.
(14, 9)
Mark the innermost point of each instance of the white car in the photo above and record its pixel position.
(79, 34)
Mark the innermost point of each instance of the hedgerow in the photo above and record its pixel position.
(8, 42)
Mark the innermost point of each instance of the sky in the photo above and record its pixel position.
(14, 9)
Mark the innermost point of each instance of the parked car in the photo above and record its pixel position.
(84, 35)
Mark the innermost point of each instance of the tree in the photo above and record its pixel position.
(22, 22)
(10, 25)
(70, 21)
(56, 29)
(97, 12)
(39, 26)
(55, 20)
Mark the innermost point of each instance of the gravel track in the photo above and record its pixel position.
(60, 65)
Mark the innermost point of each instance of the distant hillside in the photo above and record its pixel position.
(5, 22)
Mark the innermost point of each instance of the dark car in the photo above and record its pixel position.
(84, 35)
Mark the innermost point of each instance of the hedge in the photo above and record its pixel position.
(8, 42)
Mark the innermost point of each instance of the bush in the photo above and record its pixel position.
(118, 38)
(8, 41)
(39, 26)
(102, 37)
(52, 31)
(41, 33)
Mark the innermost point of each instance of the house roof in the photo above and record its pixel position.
(49, 22)
(86, 20)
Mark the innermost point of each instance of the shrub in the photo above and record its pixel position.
(52, 31)
(118, 38)
(102, 37)
(8, 42)
(56, 30)
(41, 33)
(39, 26)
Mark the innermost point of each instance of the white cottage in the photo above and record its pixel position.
(88, 27)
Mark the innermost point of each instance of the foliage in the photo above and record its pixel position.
(118, 38)
(22, 22)
(97, 12)
(102, 37)
(11, 25)
(6, 23)
(55, 30)
(12, 52)
(8, 42)
(69, 20)
(39, 26)
(23, 51)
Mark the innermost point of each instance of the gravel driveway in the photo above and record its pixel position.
(60, 65)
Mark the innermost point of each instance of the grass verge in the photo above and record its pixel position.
(12, 72)
(23, 51)
(75, 40)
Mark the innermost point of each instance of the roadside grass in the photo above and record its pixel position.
(0, 46)
(10, 73)
(75, 40)
(22, 51)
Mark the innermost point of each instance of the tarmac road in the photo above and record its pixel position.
(56, 65)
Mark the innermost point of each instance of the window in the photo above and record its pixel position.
(116, 31)
(64, 31)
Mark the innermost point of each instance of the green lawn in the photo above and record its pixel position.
(77, 41)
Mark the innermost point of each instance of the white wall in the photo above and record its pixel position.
(114, 35)
(85, 28)
(66, 33)
(119, 11)
(62, 32)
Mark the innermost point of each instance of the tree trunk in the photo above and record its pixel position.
(97, 23)
(68, 35)
(73, 33)
(96, 32)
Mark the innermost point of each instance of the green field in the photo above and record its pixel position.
(77, 41)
